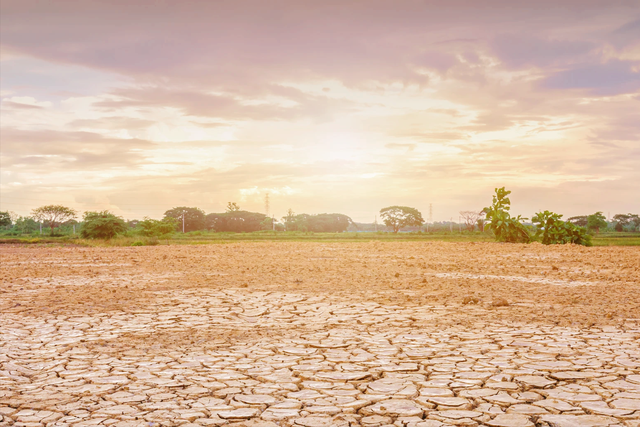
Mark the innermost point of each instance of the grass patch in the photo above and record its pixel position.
(203, 238)
(294, 236)
(616, 239)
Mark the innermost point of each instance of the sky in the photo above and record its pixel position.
(329, 106)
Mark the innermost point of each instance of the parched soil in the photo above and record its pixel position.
(550, 284)
(320, 334)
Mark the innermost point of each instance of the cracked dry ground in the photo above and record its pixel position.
(312, 334)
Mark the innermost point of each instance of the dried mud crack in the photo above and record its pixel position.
(312, 334)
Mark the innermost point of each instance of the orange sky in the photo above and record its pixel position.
(330, 106)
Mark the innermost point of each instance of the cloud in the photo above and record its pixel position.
(24, 103)
(147, 105)
(227, 106)
(20, 106)
(233, 43)
(517, 50)
(440, 61)
(626, 35)
(431, 137)
(611, 78)
(50, 151)
(405, 147)
(111, 122)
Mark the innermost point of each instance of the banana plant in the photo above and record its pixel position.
(506, 228)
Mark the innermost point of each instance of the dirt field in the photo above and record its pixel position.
(320, 334)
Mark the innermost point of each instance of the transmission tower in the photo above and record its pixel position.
(266, 204)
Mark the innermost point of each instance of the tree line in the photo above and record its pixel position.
(106, 225)
(237, 220)
(546, 225)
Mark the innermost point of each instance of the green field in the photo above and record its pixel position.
(199, 238)
(616, 239)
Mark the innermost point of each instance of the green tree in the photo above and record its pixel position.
(5, 219)
(268, 223)
(629, 221)
(154, 228)
(214, 221)
(580, 221)
(232, 218)
(301, 222)
(289, 220)
(26, 225)
(102, 225)
(328, 223)
(244, 221)
(504, 227)
(551, 230)
(194, 218)
(53, 214)
(596, 222)
(398, 217)
(238, 221)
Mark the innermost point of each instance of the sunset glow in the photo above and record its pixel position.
(344, 106)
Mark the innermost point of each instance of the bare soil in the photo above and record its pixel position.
(320, 334)
(561, 285)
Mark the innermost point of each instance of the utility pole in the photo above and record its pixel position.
(183, 212)
(266, 204)
(40, 228)
(451, 225)
(375, 222)
(273, 222)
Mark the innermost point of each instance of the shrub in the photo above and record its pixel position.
(154, 228)
(137, 243)
(504, 227)
(596, 222)
(153, 241)
(102, 225)
(551, 230)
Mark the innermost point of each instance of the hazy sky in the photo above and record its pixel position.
(330, 106)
